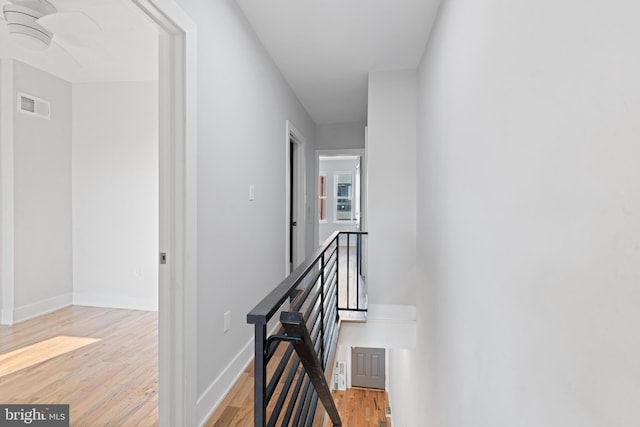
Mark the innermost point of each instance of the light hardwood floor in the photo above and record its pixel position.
(112, 381)
(103, 363)
(360, 407)
(357, 407)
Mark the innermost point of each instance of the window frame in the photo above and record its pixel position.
(321, 197)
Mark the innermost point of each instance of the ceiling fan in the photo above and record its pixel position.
(36, 24)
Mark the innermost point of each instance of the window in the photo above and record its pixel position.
(322, 191)
(344, 196)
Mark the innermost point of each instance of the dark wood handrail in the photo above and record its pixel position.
(267, 308)
(310, 328)
(296, 329)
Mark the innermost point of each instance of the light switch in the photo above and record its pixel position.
(252, 193)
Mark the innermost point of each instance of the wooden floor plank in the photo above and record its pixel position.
(112, 381)
(30, 355)
(357, 407)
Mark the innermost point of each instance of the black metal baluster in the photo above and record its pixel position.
(314, 285)
(358, 272)
(260, 407)
(348, 271)
(322, 349)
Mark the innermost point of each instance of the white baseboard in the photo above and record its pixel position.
(111, 301)
(209, 401)
(38, 308)
(6, 317)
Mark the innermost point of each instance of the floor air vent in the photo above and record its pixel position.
(34, 106)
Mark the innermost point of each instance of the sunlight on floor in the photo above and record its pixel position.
(40, 352)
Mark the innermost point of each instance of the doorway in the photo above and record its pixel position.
(177, 210)
(368, 367)
(296, 218)
(341, 200)
(340, 185)
(178, 93)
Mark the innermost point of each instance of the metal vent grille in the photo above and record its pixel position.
(34, 106)
(27, 104)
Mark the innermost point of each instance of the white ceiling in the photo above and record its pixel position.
(325, 48)
(125, 48)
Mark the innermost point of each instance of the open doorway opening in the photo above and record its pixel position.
(173, 224)
(339, 194)
(296, 198)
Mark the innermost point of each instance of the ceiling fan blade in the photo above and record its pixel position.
(83, 46)
(57, 49)
(73, 23)
(43, 7)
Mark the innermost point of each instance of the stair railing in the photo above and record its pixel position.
(287, 390)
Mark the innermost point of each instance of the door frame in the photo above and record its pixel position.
(7, 195)
(294, 135)
(177, 211)
(361, 152)
(177, 339)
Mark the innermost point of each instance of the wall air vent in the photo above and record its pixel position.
(34, 106)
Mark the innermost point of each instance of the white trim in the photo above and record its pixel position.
(301, 220)
(178, 212)
(6, 175)
(364, 203)
(90, 299)
(213, 396)
(38, 308)
(6, 317)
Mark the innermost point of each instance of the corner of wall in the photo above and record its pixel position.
(92, 299)
(6, 317)
(6, 191)
(38, 308)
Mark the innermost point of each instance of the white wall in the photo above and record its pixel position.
(115, 194)
(404, 397)
(330, 167)
(392, 187)
(337, 136)
(243, 105)
(529, 214)
(42, 197)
